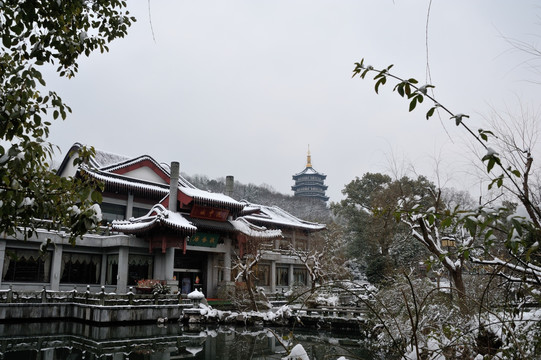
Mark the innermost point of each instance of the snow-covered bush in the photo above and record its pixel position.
(414, 319)
(160, 288)
(242, 300)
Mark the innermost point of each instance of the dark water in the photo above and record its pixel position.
(74, 341)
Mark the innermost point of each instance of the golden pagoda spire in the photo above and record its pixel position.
(308, 158)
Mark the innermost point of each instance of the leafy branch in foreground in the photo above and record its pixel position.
(34, 35)
(409, 89)
(474, 234)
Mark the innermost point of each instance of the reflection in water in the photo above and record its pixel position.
(74, 341)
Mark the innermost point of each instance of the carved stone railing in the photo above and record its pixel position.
(102, 298)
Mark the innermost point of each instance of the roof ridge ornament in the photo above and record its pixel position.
(308, 158)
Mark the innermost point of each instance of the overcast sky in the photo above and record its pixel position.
(242, 87)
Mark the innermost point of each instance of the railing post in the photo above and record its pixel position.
(44, 295)
(74, 293)
(102, 295)
(130, 295)
(87, 294)
(155, 298)
(10, 294)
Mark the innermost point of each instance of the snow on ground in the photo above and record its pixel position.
(282, 313)
(327, 299)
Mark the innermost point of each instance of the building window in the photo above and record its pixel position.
(282, 276)
(112, 212)
(138, 212)
(80, 268)
(262, 274)
(26, 266)
(301, 244)
(285, 244)
(221, 272)
(112, 270)
(300, 276)
(139, 267)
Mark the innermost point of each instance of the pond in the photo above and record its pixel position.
(74, 341)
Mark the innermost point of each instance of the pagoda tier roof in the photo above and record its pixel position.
(309, 171)
(319, 186)
(277, 217)
(157, 217)
(312, 195)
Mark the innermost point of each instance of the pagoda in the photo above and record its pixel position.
(310, 183)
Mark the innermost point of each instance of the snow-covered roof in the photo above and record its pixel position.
(127, 162)
(212, 225)
(105, 167)
(138, 186)
(104, 158)
(125, 183)
(203, 197)
(254, 231)
(109, 162)
(275, 216)
(158, 216)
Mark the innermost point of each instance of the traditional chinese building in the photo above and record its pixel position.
(310, 183)
(158, 226)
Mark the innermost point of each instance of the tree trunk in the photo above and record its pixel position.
(456, 275)
(454, 271)
(250, 290)
(458, 282)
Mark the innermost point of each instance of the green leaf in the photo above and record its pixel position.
(407, 89)
(491, 163)
(413, 103)
(446, 222)
(399, 88)
(381, 81)
(430, 113)
(363, 75)
(96, 196)
(6, 40)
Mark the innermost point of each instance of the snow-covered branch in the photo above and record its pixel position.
(527, 269)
